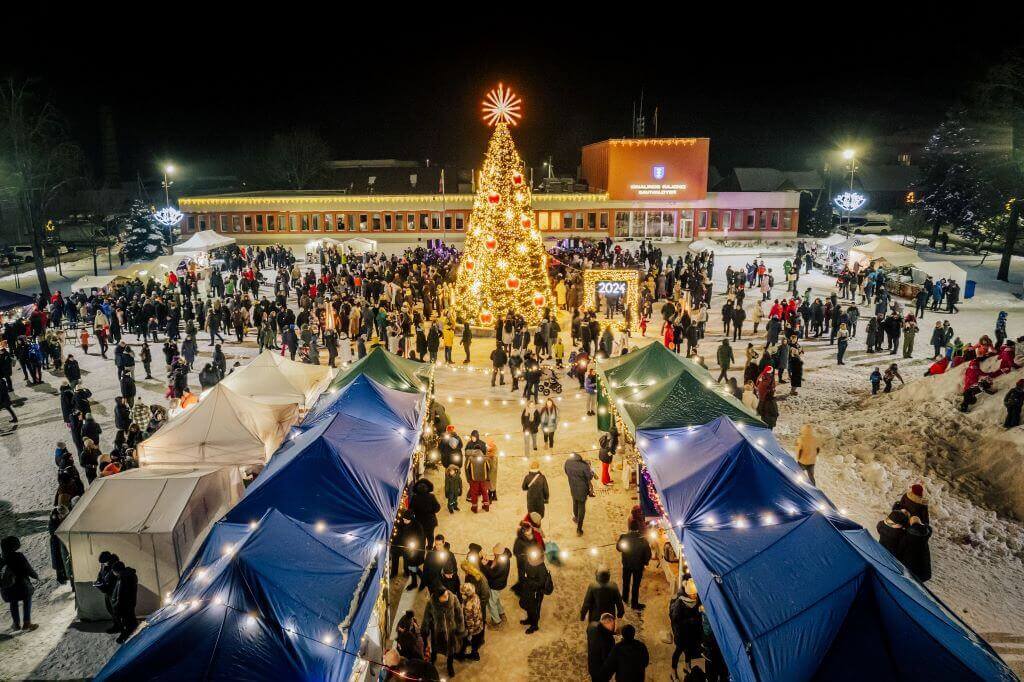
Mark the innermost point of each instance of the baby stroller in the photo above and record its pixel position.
(549, 381)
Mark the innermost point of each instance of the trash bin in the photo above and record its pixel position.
(969, 288)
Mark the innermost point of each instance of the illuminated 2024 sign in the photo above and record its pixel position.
(605, 288)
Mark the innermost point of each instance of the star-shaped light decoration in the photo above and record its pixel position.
(501, 105)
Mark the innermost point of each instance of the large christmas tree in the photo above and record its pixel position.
(143, 237)
(504, 266)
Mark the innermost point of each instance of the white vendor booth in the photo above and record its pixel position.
(223, 428)
(938, 269)
(274, 379)
(153, 519)
(883, 250)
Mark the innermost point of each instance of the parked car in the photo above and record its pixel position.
(873, 227)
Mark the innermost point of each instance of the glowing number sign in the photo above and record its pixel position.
(850, 201)
(611, 288)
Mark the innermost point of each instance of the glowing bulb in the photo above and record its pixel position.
(320, 526)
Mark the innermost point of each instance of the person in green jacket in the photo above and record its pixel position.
(725, 358)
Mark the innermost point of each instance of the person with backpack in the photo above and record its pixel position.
(16, 588)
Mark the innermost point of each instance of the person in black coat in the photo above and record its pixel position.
(536, 585)
(128, 390)
(600, 642)
(602, 596)
(917, 557)
(124, 599)
(17, 586)
(408, 543)
(122, 415)
(72, 372)
(81, 400)
(424, 507)
(496, 570)
(629, 658)
(106, 581)
(5, 402)
(892, 532)
(91, 429)
(67, 402)
(536, 486)
(636, 554)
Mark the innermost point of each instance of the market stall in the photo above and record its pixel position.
(882, 251)
(153, 519)
(274, 379)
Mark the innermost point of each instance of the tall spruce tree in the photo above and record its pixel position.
(144, 238)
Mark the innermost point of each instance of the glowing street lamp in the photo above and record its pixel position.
(850, 155)
(168, 171)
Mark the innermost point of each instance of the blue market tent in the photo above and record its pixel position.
(347, 467)
(793, 590)
(12, 299)
(285, 602)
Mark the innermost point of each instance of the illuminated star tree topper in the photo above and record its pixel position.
(501, 105)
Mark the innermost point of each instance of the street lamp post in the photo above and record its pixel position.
(168, 171)
(851, 156)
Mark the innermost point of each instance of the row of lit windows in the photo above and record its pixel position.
(707, 220)
(326, 222)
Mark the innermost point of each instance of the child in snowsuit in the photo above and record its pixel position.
(453, 487)
(876, 380)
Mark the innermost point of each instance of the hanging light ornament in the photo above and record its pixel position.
(512, 282)
(493, 197)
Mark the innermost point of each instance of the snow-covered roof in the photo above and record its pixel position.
(204, 241)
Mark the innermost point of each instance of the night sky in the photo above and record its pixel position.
(418, 98)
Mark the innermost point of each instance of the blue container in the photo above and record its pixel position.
(969, 288)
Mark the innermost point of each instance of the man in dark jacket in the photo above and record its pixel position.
(580, 475)
(424, 506)
(536, 486)
(636, 554)
(105, 583)
(600, 642)
(602, 596)
(496, 569)
(124, 599)
(628, 659)
(91, 429)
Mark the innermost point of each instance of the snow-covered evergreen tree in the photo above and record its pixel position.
(143, 237)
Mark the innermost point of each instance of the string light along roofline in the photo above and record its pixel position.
(502, 105)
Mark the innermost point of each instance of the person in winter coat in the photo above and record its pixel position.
(535, 585)
(478, 470)
(473, 617)
(629, 658)
(636, 554)
(496, 570)
(408, 543)
(914, 503)
(580, 476)
(685, 619)
(124, 599)
(605, 455)
(526, 543)
(424, 507)
(453, 487)
(529, 419)
(444, 625)
(60, 560)
(16, 588)
(549, 422)
(122, 415)
(602, 596)
(208, 377)
(807, 449)
(892, 531)
(408, 639)
(492, 470)
(600, 642)
(5, 402)
(128, 388)
(767, 408)
(917, 556)
(725, 358)
(536, 486)
(1013, 401)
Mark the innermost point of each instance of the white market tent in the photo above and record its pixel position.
(224, 428)
(834, 252)
(274, 379)
(205, 241)
(153, 519)
(938, 269)
(885, 250)
(360, 245)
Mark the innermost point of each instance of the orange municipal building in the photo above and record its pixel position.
(637, 189)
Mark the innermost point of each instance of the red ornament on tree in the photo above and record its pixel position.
(486, 317)
(538, 299)
(512, 282)
(517, 179)
(470, 264)
(527, 222)
(491, 244)
(494, 197)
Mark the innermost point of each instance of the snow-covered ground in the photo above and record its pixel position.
(878, 446)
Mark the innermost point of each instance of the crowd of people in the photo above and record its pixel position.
(337, 305)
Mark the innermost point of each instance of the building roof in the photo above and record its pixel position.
(769, 180)
(887, 178)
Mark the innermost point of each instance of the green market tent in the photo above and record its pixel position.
(389, 370)
(654, 388)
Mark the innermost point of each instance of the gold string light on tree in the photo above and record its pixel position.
(504, 266)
